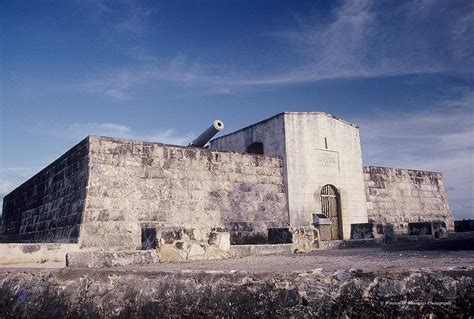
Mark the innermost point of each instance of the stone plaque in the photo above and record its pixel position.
(329, 159)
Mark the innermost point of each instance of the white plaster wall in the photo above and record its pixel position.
(310, 166)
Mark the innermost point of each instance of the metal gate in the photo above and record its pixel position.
(330, 208)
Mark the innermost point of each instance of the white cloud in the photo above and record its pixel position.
(121, 16)
(78, 131)
(5, 187)
(114, 127)
(116, 94)
(136, 19)
(466, 100)
(120, 84)
(169, 137)
(360, 38)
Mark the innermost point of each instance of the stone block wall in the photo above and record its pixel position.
(397, 197)
(135, 185)
(48, 207)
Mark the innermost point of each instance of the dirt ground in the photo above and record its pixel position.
(373, 259)
(384, 258)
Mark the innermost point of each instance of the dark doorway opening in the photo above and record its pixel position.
(149, 238)
(419, 229)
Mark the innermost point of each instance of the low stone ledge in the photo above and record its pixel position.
(331, 244)
(468, 234)
(239, 251)
(408, 239)
(348, 244)
(35, 253)
(101, 259)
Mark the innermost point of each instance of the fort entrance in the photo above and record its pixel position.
(330, 207)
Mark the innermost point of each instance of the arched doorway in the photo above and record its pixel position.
(331, 208)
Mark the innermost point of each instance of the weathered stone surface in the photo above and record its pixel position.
(48, 207)
(224, 241)
(197, 252)
(397, 197)
(180, 244)
(239, 251)
(305, 239)
(35, 253)
(105, 190)
(136, 185)
(77, 293)
(105, 259)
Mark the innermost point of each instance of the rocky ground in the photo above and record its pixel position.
(374, 259)
(394, 257)
(409, 282)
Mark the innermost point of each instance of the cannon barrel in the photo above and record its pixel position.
(208, 134)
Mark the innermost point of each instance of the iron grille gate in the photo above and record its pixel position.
(329, 207)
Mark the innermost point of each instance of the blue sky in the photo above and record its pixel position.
(163, 70)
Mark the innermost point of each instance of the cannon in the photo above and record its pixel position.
(208, 134)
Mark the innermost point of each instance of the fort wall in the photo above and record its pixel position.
(135, 185)
(397, 197)
(107, 193)
(48, 207)
(104, 191)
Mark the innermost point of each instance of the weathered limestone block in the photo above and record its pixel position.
(305, 239)
(180, 244)
(101, 259)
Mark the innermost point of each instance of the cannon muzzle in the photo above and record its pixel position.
(208, 134)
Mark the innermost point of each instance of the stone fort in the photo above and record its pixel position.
(294, 176)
